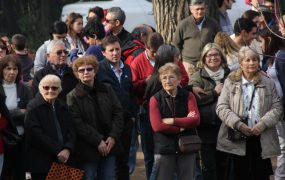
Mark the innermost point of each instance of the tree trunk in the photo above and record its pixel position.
(167, 14)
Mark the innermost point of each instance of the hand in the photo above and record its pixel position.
(182, 129)
(110, 144)
(197, 91)
(133, 119)
(169, 121)
(29, 83)
(102, 148)
(23, 111)
(255, 131)
(63, 155)
(245, 130)
(191, 114)
(219, 88)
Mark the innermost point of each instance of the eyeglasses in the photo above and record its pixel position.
(60, 52)
(53, 88)
(213, 55)
(84, 70)
(109, 20)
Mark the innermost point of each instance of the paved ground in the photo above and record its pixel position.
(139, 173)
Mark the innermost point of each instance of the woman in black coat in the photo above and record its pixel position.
(49, 129)
(98, 119)
(16, 97)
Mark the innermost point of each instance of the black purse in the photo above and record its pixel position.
(11, 138)
(236, 135)
(190, 143)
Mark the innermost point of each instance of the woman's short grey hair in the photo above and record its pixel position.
(50, 78)
(53, 43)
(247, 52)
(170, 67)
(118, 14)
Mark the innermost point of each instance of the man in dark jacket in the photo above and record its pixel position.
(57, 65)
(27, 62)
(115, 20)
(113, 71)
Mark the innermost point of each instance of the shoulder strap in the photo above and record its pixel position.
(252, 96)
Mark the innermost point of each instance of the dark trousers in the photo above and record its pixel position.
(252, 166)
(122, 168)
(13, 167)
(215, 164)
(146, 133)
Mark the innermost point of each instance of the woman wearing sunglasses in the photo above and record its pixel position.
(16, 97)
(98, 120)
(49, 129)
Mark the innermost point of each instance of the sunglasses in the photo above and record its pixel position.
(60, 52)
(109, 20)
(53, 88)
(85, 69)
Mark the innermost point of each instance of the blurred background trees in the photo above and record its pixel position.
(30, 17)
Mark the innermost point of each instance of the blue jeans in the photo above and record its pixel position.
(147, 141)
(102, 169)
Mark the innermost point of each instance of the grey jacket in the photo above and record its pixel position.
(230, 109)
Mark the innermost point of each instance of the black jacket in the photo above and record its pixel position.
(97, 114)
(42, 144)
(123, 89)
(68, 80)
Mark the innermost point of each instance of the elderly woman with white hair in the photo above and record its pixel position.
(249, 108)
(49, 129)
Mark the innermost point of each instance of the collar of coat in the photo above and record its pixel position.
(39, 101)
(179, 93)
(236, 76)
(82, 90)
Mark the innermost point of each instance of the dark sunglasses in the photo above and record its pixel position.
(109, 20)
(85, 69)
(53, 88)
(60, 52)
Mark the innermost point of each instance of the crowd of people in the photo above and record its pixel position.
(91, 91)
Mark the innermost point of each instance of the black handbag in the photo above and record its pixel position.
(13, 134)
(190, 143)
(236, 135)
(10, 137)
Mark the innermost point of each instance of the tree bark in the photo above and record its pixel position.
(167, 14)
